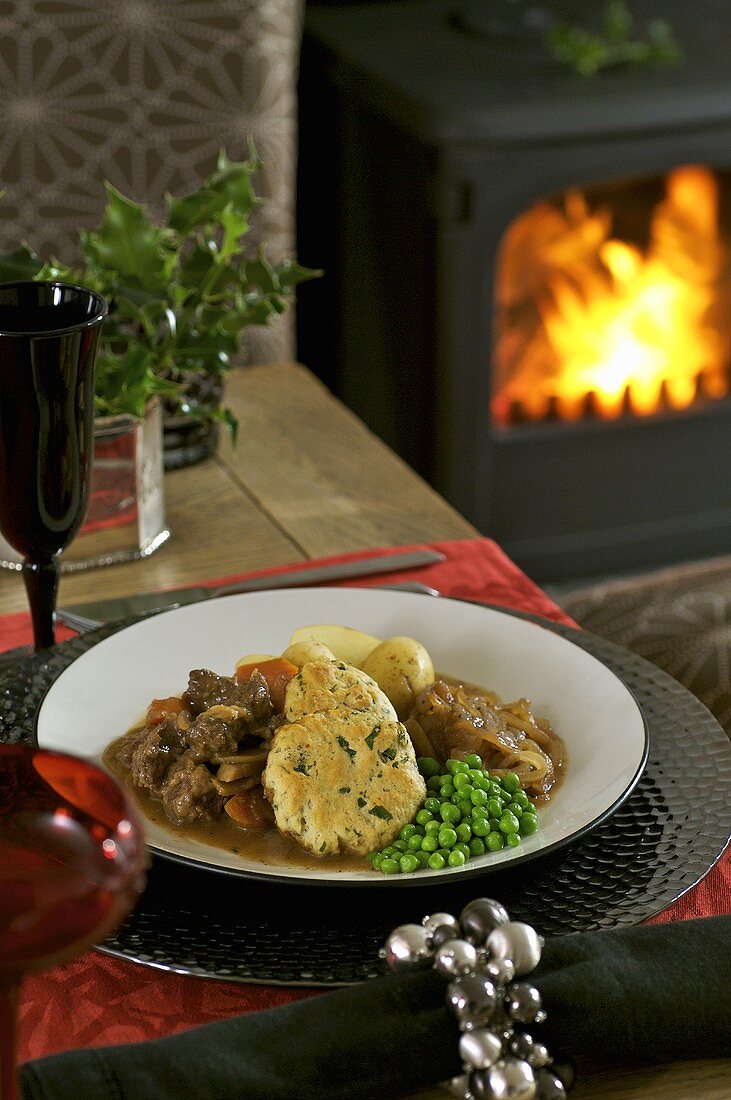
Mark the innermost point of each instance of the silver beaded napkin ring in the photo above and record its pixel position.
(481, 954)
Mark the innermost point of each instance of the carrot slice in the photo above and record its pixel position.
(159, 708)
(250, 809)
(277, 672)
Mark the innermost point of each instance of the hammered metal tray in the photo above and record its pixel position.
(658, 844)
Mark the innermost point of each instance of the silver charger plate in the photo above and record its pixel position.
(657, 845)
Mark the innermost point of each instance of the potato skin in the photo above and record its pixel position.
(402, 668)
(347, 643)
(299, 653)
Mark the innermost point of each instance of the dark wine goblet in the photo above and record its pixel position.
(72, 866)
(49, 333)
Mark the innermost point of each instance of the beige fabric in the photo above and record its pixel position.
(144, 93)
(679, 618)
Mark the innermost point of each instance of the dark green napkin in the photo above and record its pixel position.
(647, 993)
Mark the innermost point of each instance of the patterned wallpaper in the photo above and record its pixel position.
(144, 93)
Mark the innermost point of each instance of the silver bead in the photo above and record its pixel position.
(473, 999)
(408, 948)
(523, 1046)
(480, 916)
(480, 1049)
(442, 935)
(500, 970)
(437, 920)
(455, 957)
(524, 1004)
(540, 1056)
(512, 1079)
(518, 942)
(460, 1086)
(549, 1086)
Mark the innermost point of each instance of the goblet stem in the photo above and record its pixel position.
(41, 584)
(9, 990)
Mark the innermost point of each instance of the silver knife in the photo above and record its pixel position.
(126, 607)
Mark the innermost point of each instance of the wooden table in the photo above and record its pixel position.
(306, 480)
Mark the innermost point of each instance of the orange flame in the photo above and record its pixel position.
(587, 322)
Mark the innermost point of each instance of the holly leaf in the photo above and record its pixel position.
(18, 263)
(233, 181)
(290, 274)
(128, 243)
(193, 211)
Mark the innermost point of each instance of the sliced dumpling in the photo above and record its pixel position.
(343, 780)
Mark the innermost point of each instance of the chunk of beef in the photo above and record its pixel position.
(216, 732)
(188, 794)
(155, 753)
(206, 689)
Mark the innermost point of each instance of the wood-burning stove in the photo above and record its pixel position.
(431, 132)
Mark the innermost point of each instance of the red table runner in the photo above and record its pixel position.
(97, 999)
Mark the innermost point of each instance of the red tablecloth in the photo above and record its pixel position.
(97, 999)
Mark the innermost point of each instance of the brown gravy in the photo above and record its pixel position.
(267, 846)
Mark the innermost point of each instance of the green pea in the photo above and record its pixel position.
(515, 808)
(528, 824)
(478, 797)
(423, 858)
(478, 812)
(480, 827)
(455, 766)
(464, 832)
(432, 827)
(436, 861)
(463, 848)
(472, 760)
(389, 850)
(481, 782)
(434, 783)
(407, 831)
(494, 790)
(432, 805)
(461, 779)
(465, 809)
(408, 863)
(494, 807)
(494, 841)
(512, 840)
(449, 812)
(429, 843)
(456, 859)
(446, 790)
(414, 842)
(494, 823)
(509, 823)
(522, 799)
(428, 766)
(477, 846)
(376, 862)
(400, 845)
(423, 816)
(390, 867)
(447, 837)
(510, 782)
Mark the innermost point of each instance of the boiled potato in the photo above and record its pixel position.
(348, 644)
(299, 653)
(402, 668)
(254, 659)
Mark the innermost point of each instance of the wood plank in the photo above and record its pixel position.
(702, 1080)
(217, 530)
(328, 481)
